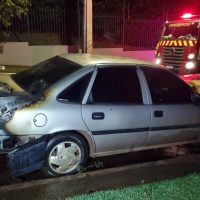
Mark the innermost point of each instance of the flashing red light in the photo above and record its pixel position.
(187, 16)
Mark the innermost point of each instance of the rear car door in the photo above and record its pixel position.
(115, 113)
(174, 118)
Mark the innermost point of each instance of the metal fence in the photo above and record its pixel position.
(43, 26)
(107, 31)
(142, 33)
(131, 34)
(60, 26)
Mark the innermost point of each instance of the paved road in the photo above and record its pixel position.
(110, 161)
(104, 179)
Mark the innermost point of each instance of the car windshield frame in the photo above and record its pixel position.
(176, 30)
(44, 74)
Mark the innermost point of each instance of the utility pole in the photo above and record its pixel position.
(87, 27)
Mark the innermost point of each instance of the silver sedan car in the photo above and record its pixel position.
(90, 105)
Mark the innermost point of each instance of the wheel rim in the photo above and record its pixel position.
(64, 157)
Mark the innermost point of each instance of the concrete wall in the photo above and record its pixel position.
(146, 55)
(19, 53)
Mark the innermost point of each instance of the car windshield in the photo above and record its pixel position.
(181, 31)
(39, 77)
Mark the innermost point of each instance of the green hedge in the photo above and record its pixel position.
(32, 38)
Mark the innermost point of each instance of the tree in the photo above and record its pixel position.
(9, 9)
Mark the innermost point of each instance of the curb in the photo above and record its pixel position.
(62, 187)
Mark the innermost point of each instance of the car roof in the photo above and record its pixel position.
(91, 59)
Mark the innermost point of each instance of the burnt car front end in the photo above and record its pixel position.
(8, 106)
(12, 98)
(23, 100)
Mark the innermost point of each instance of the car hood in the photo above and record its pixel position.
(12, 98)
(9, 104)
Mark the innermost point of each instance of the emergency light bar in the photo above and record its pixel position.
(187, 16)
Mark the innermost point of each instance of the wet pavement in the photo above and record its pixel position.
(104, 179)
(109, 161)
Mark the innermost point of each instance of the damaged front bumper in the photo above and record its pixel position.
(9, 142)
(27, 158)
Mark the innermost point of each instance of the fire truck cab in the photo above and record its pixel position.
(179, 47)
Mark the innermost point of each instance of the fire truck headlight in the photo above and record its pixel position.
(158, 61)
(190, 65)
(191, 56)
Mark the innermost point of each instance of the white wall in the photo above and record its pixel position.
(146, 55)
(40, 53)
(19, 53)
(16, 53)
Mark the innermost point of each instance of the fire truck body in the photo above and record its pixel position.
(179, 47)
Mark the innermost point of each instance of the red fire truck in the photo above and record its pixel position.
(179, 47)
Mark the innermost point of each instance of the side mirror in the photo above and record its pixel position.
(195, 98)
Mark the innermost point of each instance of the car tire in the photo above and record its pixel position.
(65, 154)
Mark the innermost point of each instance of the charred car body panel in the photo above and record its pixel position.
(81, 107)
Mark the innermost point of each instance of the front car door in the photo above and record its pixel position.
(174, 118)
(114, 112)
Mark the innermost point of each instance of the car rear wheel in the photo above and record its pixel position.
(65, 155)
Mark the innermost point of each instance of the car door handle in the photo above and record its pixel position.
(158, 113)
(98, 115)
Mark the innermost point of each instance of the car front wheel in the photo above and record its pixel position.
(65, 155)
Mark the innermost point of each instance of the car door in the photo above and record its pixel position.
(115, 113)
(174, 118)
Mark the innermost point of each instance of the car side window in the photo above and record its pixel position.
(118, 85)
(76, 91)
(166, 88)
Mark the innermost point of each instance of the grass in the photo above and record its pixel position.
(184, 188)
